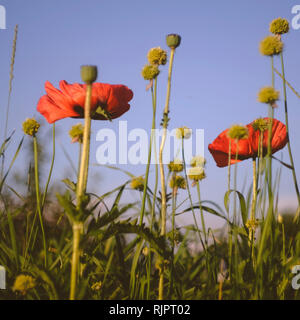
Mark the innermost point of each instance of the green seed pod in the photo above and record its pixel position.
(89, 74)
(173, 40)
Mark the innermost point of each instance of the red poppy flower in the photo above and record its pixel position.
(247, 148)
(69, 101)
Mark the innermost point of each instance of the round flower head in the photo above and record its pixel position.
(178, 182)
(198, 161)
(23, 283)
(268, 95)
(183, 133)
(279, 26)
(260, 124)
(89, 74)
(76, 133)
(137, 183)
(175, 166)
(173, 40)
(157, 56)
(270, 45)
(150, 72)
(30, 126)
(238, 132)
(196, 173)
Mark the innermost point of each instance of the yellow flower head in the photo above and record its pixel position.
(145, 251)
(183, 133)
(271, 45)
(23, 283)
(279, 26)
(150, 72)
(198, 161)
(175, 166)
(268, 95)
(30, 126)
(76, 133)
(178, 182)
(238, 132)
(196, 174)
(260, 124)
(157, 56)
(280, 218)
(137, 183)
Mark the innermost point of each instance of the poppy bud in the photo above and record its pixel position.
(173, 40)
(89, 74)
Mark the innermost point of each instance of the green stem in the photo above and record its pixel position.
(81, 188)
(190, 196)
(38, 201)
(287, 130)
(201, 213)
(149, 154)
(174, 197)
(51, 167)
(162, 173)
(77, 230)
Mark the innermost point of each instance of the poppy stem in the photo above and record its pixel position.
(84, 164)
(253, 206)
(287, 130)
(81, 188)
(162, 173)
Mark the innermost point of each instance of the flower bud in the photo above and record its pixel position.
(183, 133)
(238, 132)
(270, 46)
(89, 74)
(137, 183)
(173, 40)
(30, 127)
(196, 174)
(76, 133)
(279, 26)
(150, 72)
(268, 95)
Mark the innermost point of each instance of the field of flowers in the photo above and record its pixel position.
(98, 246)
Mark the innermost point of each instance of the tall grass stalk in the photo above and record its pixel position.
(287, 130)
(38, 199)
(11, 76)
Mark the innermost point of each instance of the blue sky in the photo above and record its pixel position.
(218, 69)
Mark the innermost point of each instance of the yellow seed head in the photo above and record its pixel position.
(279, 26)
(178, 182)
(260, 124)
(150, 72)
(23, 283)
(30, 126)
(196, 174)
(157, 56)
(280, 218)
(183, 133)
(175, 166)
(238, 132)
(76, 133)
(137, 183)
(198, 161)
(268, 95)
(271, 45)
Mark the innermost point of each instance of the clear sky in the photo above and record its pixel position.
(218, 69)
